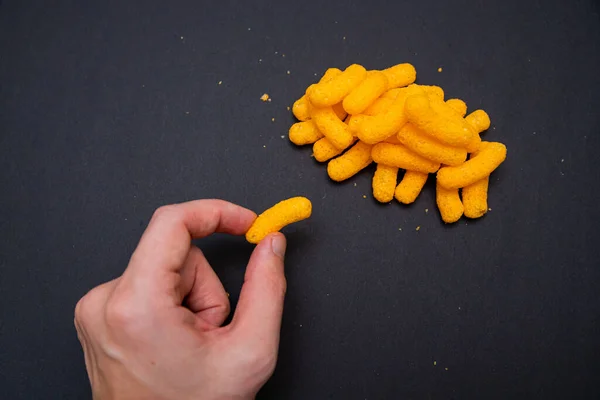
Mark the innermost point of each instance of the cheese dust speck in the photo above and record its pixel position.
(440, 69)
(418, 228)
(264, 97)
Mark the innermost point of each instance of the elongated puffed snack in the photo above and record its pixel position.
(400, 157)
(350, 163)
(384, 183)
(457, 105)
(380, 105)
(301, 107)
(474, 198)
(324, 150)
(374, 129)
(400, 75)
(429, 148)
(491, 155)
(391, 94)
(433, 92)
(410, 186)
(332, 127)
(328, 93)
(281, 214)
(365, 93)
(479, 121)
(449, 129)
(449, 204)
(302, 133)
(338, 109)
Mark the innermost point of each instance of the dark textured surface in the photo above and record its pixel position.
(110, 109)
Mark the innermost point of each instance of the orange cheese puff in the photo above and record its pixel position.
(324, 150)
(426, 146)
(350, 163)
(391, 94)
(410, 186)
(457, 105)
(374, 129)
(448, 129)
(328, 93)
(354, 121)
(380, 105)
(491, 155)
(331, 127)
(393, 140)
(338, 109)
(302, 133)
(384, 183)
(479, 121)
(365, 93)
(281, 214)
(474, 198)
(449, 204)
(301, 109)
(433, 92)
(396, 155)
(400, 75)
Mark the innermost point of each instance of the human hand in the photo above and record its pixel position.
(155, 332)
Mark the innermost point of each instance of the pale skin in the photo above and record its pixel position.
(156, 331)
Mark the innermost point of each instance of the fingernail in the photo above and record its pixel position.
(278, 245)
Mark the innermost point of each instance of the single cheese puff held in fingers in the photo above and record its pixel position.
(365, 93)
(429, 148)
(400, 75)
(332, 127)
(479, 121)
(474, 198)
(400, 157)
(384, 183)
(328, 93)
(281, 214)
(449, 204)
(350, 163)
(449, 129)
(410, 186)
(302, 133)
(491, 155)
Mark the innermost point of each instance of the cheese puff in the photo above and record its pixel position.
(350, 163)
(301, 109)
(474, 198)
(324, 150)
(392, 139)
(384, 183)
(338, 109)
(400, 75)
(330, 125)
(433, 92)
(354, 121)
(366, 93)
(410, 186)
(380, 105)
(479, 121)
(426, 146)
(457, 105)
(281, 214)
(391, 94)
(491, 155)
(328, 93)
(449, 129)
(449, 204)
(374, 129)
(302, 133)
(396, 155)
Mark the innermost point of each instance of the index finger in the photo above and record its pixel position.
(166, 241)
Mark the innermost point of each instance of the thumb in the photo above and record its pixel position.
(258, 313)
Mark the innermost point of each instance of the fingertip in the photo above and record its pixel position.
(278, 244)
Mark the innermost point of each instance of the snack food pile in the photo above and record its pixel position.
(355, 117)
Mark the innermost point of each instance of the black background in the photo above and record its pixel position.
(109, 109)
